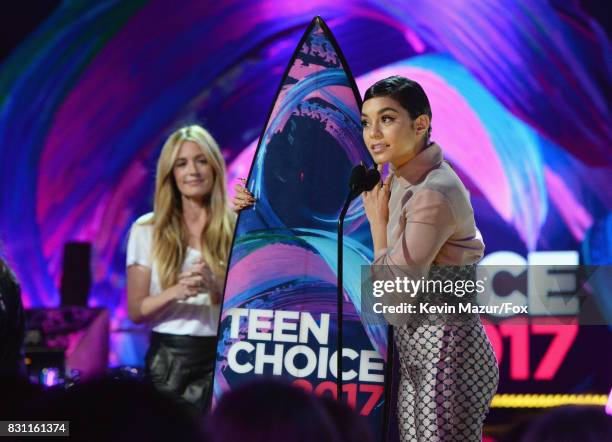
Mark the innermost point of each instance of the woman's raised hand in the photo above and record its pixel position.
(376, 202)
(242, 198)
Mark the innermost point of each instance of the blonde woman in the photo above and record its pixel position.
(176, 263)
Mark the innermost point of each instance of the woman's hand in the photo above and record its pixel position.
(199, 279)
(242, 198)
(376, 203)
(189, 284)
(212, 281)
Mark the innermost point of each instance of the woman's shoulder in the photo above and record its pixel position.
(144, 220)
(143, 225)
(443, 179)
(140, 241)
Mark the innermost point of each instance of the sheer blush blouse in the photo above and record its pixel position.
(431, 220)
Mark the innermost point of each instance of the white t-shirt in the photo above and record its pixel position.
(194, 316)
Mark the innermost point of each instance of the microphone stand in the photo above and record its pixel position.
(361, 180)
(349, 198)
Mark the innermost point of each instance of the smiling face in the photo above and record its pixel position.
(193, 175)
(389, 133)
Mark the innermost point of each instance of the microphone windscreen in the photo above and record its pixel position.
(372, 178)
(357, 175)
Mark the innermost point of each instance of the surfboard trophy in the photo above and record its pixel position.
(280, 314)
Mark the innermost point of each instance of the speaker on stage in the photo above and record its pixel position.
(76, 274)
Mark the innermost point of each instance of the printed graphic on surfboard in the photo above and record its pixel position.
(279, 313)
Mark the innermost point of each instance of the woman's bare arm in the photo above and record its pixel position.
(141, 306)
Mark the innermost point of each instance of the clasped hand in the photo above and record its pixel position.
(198, 279)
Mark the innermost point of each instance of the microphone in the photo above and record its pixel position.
(357, 175)
(362, 180)
(372, 179)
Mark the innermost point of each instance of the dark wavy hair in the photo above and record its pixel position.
(408, 93)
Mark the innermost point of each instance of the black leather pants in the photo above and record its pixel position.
(182, 367)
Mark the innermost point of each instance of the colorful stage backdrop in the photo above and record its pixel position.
(520, 93)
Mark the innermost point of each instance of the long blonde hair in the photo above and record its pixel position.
(169, 238)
